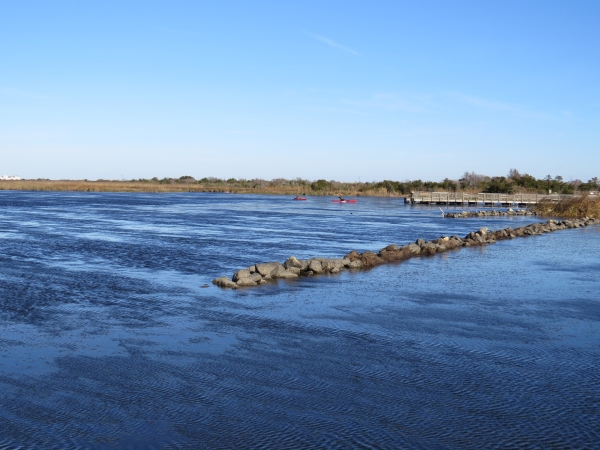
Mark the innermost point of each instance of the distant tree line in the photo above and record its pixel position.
(514, 182)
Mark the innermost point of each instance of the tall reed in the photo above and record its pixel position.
(345, 189)
(576, 208)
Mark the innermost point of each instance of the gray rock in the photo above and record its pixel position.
(280, 272)
(252, 269)
(265, 269)
(333, 264)
(240, 274)
(326, 264)
(335, 270)
(414, 249)
(295, 270)
(356, 264)
(292, 262)
(389, 248)
(315, 266)
(286, 274)
(256, 277)
(224, 282)
(246, 282)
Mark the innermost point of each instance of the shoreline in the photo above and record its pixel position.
(266, 273)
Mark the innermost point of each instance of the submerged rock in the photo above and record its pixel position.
(225, 283)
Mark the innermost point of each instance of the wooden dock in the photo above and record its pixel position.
(462, 198)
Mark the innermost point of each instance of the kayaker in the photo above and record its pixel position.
(341, 198)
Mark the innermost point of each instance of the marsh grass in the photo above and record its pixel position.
(345, 189)
(576, 208)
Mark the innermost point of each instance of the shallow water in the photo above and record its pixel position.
(107, 338)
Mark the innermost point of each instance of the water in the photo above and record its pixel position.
(109, 340)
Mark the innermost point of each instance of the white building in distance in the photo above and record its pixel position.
(9, 177)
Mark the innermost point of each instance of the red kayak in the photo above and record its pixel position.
(343, 201)
(299, 198)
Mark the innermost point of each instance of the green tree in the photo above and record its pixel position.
(320, 185)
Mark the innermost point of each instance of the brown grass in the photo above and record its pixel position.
(576, 208)
(350, 189)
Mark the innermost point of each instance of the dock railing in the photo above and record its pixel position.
(464, 198)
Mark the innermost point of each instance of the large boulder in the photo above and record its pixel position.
(326, 264)
(240, 274)
(396, 255)
(352, 256)
(389, 248)
(256, 277)
(265, 269)
(501, 234)
(370, 259)
(315, 266)
(292, 262)
(478, 238)
(330, 264)
(281, 272)
(286, 274)
(429, 248)
(413, 249)
(453, 242)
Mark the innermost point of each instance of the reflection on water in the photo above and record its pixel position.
(108, 340)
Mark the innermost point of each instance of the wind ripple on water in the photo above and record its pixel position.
(108, 341)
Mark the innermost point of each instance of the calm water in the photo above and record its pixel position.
(108, 340)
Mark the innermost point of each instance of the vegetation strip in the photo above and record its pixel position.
(260, 274)
(513, 183)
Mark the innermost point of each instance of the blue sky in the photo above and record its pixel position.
(312, 89)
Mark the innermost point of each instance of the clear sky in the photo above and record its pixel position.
(313, 89)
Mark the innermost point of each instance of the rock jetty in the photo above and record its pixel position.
(490, 213)
(263, 273)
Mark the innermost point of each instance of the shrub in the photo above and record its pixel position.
(320, 185)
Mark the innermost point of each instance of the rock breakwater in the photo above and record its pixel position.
(490, 213)
(263, 273)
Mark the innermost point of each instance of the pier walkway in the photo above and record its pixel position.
(462, 198)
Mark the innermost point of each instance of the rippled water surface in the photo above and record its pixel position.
(109, 340)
